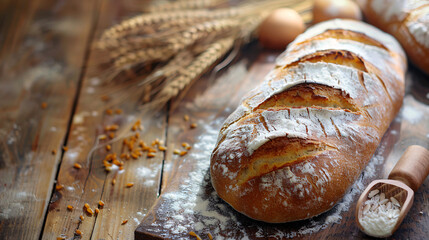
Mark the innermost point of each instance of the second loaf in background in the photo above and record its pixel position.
(296, 143)
(407, 20)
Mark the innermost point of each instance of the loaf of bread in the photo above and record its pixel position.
(296, 143)
(407, 20)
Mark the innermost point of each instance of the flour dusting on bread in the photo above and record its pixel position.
(419, 27)
(299, 140)
(395, 10)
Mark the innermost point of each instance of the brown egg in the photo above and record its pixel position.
(329, 9)
(280, 28)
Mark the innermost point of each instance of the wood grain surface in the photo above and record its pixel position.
(92, 183)
(43, 45)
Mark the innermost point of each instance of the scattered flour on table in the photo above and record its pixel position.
(12, 135)
(411, 114)
(140, 214)
(148, 174)
(149, 183)
(73, 153)
(95, 81)
(90, 90)
(197, 207)
(17, 207)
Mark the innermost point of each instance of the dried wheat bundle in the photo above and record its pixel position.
(180, 41)
(188, 4)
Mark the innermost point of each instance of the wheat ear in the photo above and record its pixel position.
(207, 30)
(180, 61)
(205, 60)
(189, 4)
(136, 25)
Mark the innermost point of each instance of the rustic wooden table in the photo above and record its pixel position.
(50, 98)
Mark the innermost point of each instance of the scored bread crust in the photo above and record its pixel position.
(298, 141)
(407, 20)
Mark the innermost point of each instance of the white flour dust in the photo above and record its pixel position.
(196, 206)
(411, 114)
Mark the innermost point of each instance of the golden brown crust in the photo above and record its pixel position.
(310, 95)
(297, 142)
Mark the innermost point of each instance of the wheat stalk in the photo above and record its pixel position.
(206, 59)
(131, 55)
(151, 24)
(139, 24)
(134, 41)
(182, 39)
(182, 5)
(181, 60)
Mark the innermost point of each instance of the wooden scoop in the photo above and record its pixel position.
(405, 178)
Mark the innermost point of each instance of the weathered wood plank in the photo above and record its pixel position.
(189, 203)
(43, 45)
(91, 183)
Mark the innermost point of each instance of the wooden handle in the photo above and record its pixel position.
(413, 167)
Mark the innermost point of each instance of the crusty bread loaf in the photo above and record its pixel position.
(297, 142)
(407, 20)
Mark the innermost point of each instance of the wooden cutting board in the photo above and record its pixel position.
(188, 203)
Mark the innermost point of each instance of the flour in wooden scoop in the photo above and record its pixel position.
(380, 214)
